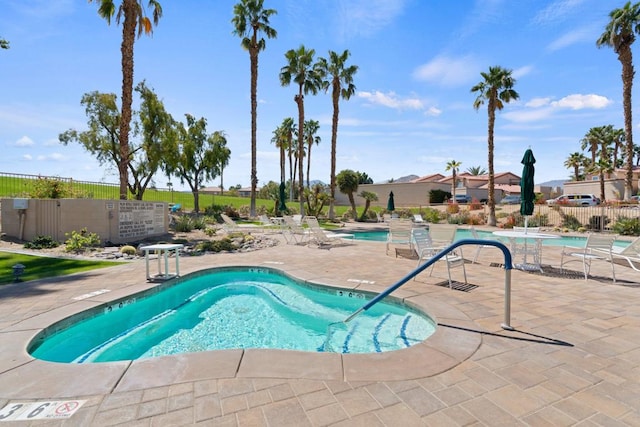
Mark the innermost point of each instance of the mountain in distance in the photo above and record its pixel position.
(553, 183)
(407, 178)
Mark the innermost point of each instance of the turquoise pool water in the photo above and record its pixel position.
(231, 308)
(381, 236)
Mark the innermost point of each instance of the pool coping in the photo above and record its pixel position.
(456, 338)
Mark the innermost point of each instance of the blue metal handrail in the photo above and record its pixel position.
(508, 266)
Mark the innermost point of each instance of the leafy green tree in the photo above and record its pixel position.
(619, 34)
(134, 15)
(4, 44)
(368, 197)
(577, 161)
(347, 181)
(311, 127)
(102, 137)
(309, 76)
(453, 166)
(496, 89)
(341, 82)
(250, 20)
(196, 156)
(316, 198)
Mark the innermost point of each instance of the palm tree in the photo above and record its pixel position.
(619, 34)
(311, 127)
(289, 129)
(347, 181)
(309, 77)
(576, 161)
(250, 19)
(4, 44)
(618, 143)
(496, 89)
(476, 170)
(453, 167)
(134, 16)
(280, 141)
(592, 140)
(368, 197)
(342, 86)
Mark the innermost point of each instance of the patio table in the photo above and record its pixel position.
(163, 250)
(536, 238)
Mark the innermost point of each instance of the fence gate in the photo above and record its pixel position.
(48, 219)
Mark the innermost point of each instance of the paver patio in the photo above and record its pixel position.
(574, 358)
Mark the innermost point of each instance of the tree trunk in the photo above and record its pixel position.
(128, 39)
(491, 199)
(335, 95)
(300, 101)
(627, 83)
(254, 114)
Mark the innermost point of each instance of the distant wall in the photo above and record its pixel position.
(117, 221)
(405, 194)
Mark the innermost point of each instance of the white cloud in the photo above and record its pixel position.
(538, 102)
(433, 111)
(28, 157)
(391, 100)
(579, 102)
(522, 71)
(25, 141)
(571, 38)
(57, 157)
(448, 71)
(367, 17)
(556, 11)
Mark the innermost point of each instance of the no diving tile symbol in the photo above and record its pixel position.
(24, 411)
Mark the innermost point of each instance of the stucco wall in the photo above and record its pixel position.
(116, 221)
(404, 194)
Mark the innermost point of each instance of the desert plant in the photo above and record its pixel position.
(50, 188)
(199, 223)
(184, 224)
(42, 242)
(627, 226)
(81, 241)
(432, 215)
(453, 208)
(128, 250)
(216, 245)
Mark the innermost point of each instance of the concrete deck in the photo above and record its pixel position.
(573, 358)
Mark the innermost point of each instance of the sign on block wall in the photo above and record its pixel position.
(140, 219)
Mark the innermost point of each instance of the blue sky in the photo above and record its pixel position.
(412, 111)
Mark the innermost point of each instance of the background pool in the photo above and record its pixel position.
(381, 236)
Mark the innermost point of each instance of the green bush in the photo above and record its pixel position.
(42, 242)
(216, 246)
(627, 226)
(50, 188)
(199, 223)
(184, 224)
(571, 222)
(438, 196)
(81, 241)
(433, 215)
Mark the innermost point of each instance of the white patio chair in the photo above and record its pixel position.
(629, 254)
(399, 233)
(323, 237)
(294, 232)
(475, 235)
(597, 247)
(417, 218)
(231, 226)
(426, 249)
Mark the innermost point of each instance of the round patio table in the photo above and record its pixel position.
(536, 247)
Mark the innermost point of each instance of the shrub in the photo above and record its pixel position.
(214, 210)
(42, 242)
(184, 224)
(210, 231)
(81, 241)
(128, 250)
(571, 222)
(199, 223)
(433, 215)
(627, 226)
(50, 188)
(475, 205)
(453, 208)
(438, 196)
(216, 245)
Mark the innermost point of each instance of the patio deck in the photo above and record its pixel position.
(574, 358)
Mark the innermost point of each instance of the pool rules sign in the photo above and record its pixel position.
(26, 411)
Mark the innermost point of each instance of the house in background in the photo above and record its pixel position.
(613, 184)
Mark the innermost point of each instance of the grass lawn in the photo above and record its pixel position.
(37, 267)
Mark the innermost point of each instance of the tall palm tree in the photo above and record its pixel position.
(496, 89)
(576, 161)
(289, 129)
(341, 83)
(619, 34)
(453, 166)
(280, 141)
(592, 141)
(476, 170)
(250, 19)
(311, 127)
(309, 77)
(134, 15)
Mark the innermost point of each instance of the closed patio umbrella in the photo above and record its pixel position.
(527, 195)
(390, 203)
(282, 207)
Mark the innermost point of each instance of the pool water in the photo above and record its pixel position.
(229, 309)
(381, 236)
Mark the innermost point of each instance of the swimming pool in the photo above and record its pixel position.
(230, 308)
(463, 233)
